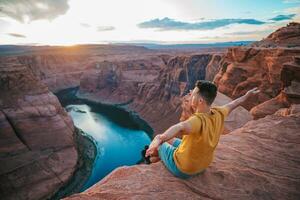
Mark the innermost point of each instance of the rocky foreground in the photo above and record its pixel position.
(258, 161)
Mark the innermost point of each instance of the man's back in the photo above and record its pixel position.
(196, 150)
(201, 132)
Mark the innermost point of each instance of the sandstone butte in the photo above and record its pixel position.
(258, 159)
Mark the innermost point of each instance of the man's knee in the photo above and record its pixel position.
(176, 142)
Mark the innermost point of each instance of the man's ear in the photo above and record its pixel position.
(201, 100)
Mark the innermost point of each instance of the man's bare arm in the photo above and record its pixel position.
(237, 102)
(176, 130)
(173, 131)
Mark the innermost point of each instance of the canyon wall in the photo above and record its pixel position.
(56, 71)
(289, 94)
(37, 150)
(284, 37)
(62, 67)
(152, 82)
(153, 87)
(243, 68)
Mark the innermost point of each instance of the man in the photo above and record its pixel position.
(200, 131)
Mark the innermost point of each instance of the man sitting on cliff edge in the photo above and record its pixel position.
(200, 131)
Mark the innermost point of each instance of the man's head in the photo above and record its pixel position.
(203, 95)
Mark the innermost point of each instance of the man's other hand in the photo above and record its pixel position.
(252, 92)
(153, 147)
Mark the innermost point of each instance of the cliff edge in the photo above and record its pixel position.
(258, 161)
(37, 149)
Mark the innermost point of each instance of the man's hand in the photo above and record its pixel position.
(252, 92)
(187, 110)
(153, 147)
(173, 131)
(233, 104)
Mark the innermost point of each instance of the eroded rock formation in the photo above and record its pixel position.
(153, 86)
(243, 68)
(56, 71)
(37, 150)
(287, 37)
(290, 91)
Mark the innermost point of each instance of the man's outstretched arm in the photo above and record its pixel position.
(170, 133)
(237, 102)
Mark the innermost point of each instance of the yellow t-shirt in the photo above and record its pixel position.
(196, 150)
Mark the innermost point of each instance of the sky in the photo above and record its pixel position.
(69, 22)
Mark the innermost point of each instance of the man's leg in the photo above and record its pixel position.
(165, 153)
(171, 141)
(174, 142)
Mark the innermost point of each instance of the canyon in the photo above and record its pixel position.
(258, 159)
(38, 152)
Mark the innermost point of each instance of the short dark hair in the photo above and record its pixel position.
(207, 90)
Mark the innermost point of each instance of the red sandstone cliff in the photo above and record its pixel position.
(290, 91)
(242, 68)
(62, 67)
(153, 85)
(287, 37)
(37, 149)
(56, 71)
(118, 74)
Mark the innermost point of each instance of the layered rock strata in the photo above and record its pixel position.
(37, 150)
(290, 91)
(243, 68)
(153, 88)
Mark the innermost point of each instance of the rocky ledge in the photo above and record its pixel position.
(258, 161)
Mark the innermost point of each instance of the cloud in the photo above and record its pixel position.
(283, 17)
(16, 35)
(171, 24)
(291, 1)
(3, 25)
(242, 33)
(105, 28)
(30, 10)
(247, 33)
(85, 25)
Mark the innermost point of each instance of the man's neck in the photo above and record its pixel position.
(206, 110)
